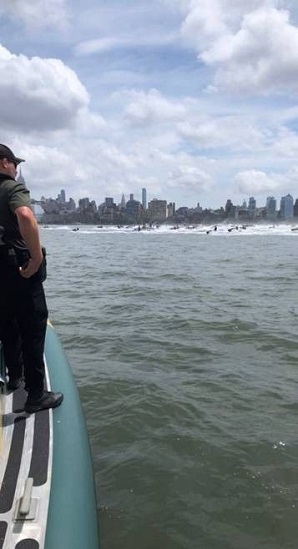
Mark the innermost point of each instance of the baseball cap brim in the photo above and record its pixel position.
(6, 152)
(17, 160)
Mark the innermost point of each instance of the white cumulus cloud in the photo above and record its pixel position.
(190, 178)
(149, 108)
(36, 13)
(255, 182)
(253, 47)
(38, 94)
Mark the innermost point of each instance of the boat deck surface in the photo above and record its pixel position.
(25, 453)
(47, 490)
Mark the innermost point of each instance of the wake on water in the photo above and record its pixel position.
(290, 229)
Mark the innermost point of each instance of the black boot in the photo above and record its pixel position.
(46, 400)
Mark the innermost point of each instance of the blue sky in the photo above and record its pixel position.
(194, 100)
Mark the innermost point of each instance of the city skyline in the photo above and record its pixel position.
(271, 203)
(195, 100)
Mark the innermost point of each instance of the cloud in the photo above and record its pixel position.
(102, 45)
(190, 178)
(225, 132)
(253, 182)
(207, 22)
(38, 94)
(192, 122)
(121, 26)
(253, 49)
(286, 144)
(203, 24)
(37, 13)
(150, 108)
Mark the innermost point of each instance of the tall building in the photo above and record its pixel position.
(171, 208)
(252, 207)
(271, 212)
(157, 209)
(109, 202)
(286, 206)
(123, 202)
(20, 178)
(144, 199)
(84, 204)
(71, 205)
(229, 207)
(133, 208)
(107, 210)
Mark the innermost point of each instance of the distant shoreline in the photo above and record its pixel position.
(226, 222)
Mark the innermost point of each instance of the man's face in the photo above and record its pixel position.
(8, 167)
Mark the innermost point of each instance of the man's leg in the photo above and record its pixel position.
(32, 318)
(12, 349)
(9, 329)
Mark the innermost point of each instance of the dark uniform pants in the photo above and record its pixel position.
(23, 322)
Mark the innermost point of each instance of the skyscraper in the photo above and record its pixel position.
(123, 202)
(252, 207)
(144, 199)
(157, 209)
(20, 178)
(271, 207)
(286, 206)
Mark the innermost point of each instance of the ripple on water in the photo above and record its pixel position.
(185, 353)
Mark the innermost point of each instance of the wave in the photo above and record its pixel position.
(221, 229)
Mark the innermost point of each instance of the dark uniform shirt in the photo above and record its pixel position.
(12, 195)
(23, 308)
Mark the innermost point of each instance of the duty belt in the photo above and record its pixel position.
(8, 256)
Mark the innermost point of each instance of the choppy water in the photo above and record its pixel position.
(185, 350)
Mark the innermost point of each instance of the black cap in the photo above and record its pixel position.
(6, 152)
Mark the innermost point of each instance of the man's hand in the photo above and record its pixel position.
(30, 233)
(30, 268)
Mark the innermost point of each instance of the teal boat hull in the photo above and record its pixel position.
(72, 518)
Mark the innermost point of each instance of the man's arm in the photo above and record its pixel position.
(29, 230)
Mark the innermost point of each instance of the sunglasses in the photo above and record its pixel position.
(14, 162)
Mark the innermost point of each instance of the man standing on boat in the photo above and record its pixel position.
(23, 309)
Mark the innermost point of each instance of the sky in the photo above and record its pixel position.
(195, 100)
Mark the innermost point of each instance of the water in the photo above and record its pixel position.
(184, 348)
